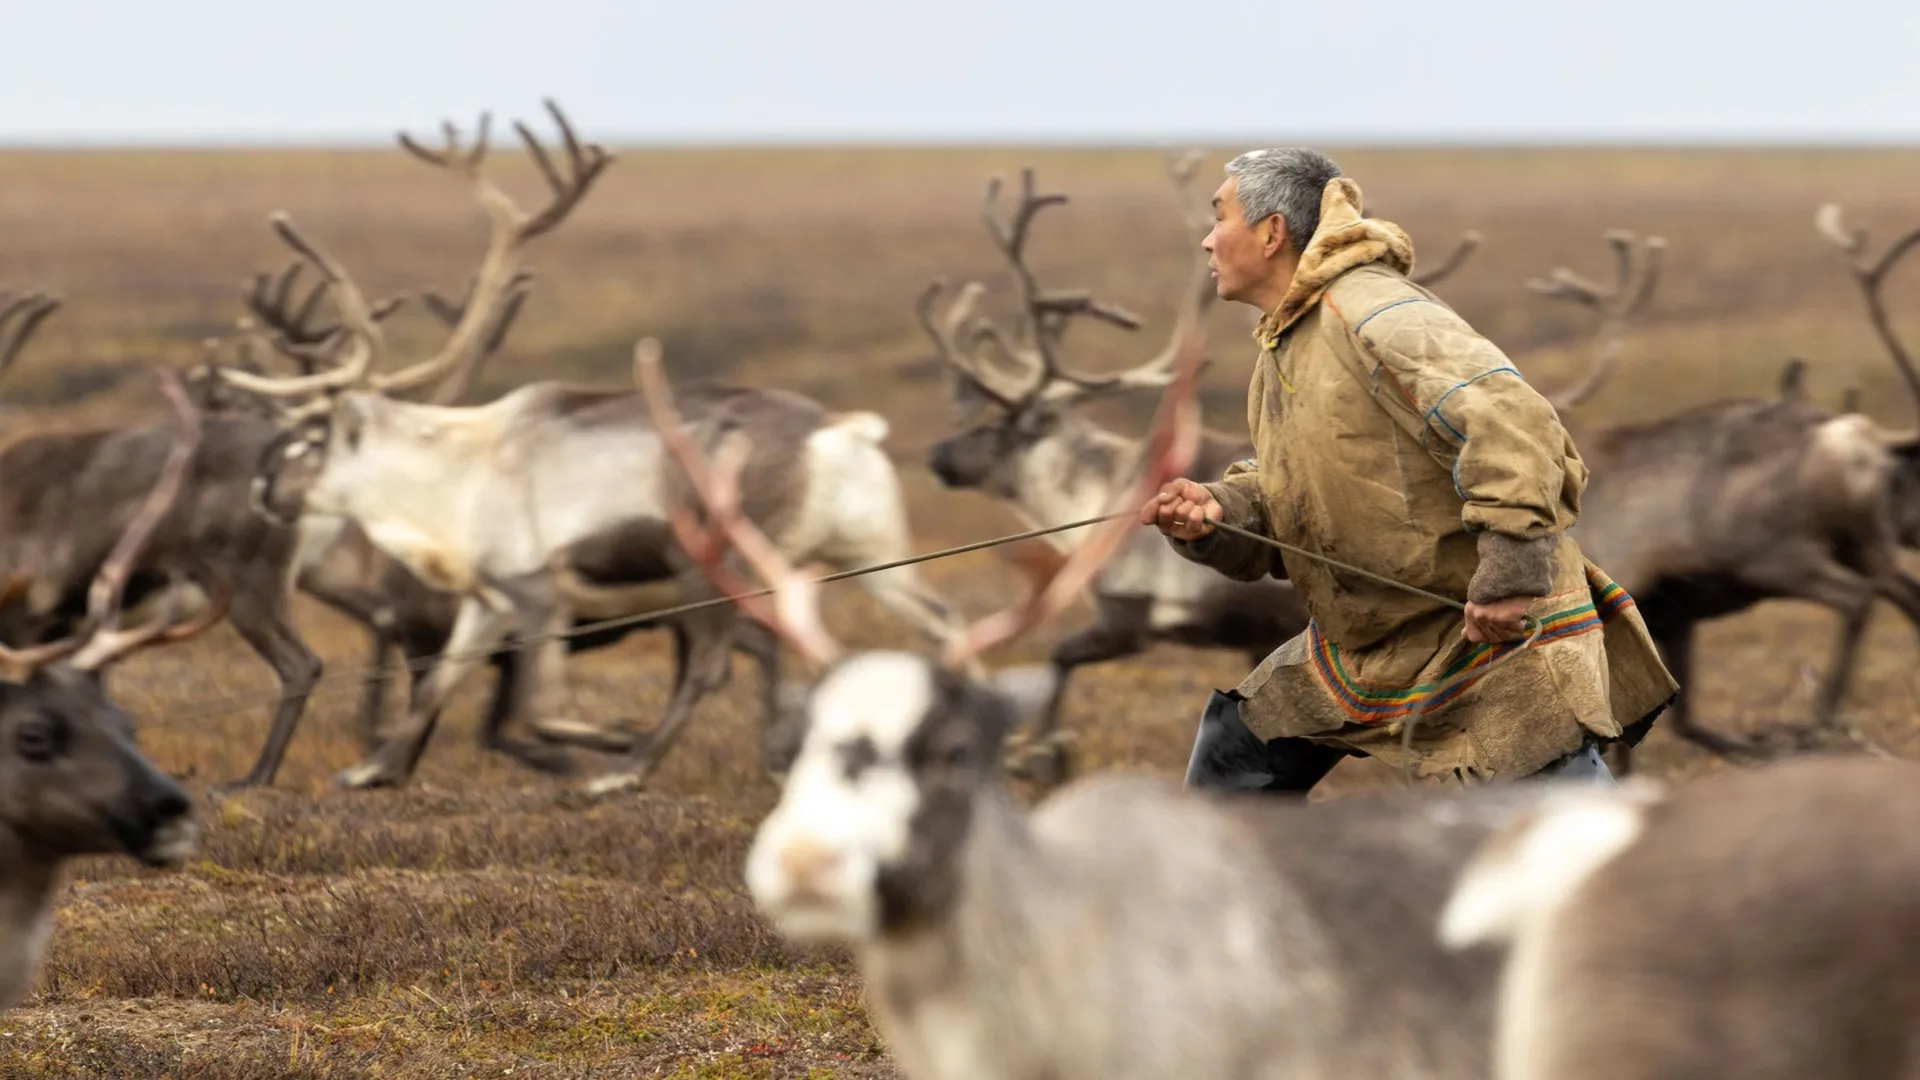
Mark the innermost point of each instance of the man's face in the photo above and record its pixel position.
(1241, 256)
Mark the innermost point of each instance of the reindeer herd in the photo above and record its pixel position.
(1433, 934)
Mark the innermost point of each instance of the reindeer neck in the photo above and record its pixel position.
(933, 986)
(1073, 474)
(27, 885)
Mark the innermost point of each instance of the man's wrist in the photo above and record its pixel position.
(1512, 567)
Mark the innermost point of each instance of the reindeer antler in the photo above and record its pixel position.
(1170, 449)
(493, 296)
(289, 325)
(1632, 290)
(20, 316)
(1469, 243)
(1022, 371)
(1871, 274)
(795, 613)
(99, 638)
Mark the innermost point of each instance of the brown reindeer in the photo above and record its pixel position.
(1758, 923)
(1708, 511)
(73, 781)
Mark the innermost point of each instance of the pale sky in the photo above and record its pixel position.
(1100, 71)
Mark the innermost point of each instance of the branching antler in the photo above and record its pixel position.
(1872, 275)
(1045, 313)
(20, 315)
(1633, 288)
(1015, 372)
(1469, 243)
(99, 638)
(289, 325)
(494, 295)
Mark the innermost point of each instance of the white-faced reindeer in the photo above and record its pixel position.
(491, 503)
(340, 565)
(1758, 923)
(1052, 465)
(72, 780)
(1710, 510)
(1124, 929)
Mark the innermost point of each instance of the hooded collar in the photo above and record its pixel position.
(1343, 240)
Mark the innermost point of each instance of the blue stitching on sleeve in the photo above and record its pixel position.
(1434, 413)
(1389, 307)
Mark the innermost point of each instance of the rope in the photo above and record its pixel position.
(234, 703)
(1438, 690)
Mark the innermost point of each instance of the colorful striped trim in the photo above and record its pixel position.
(1378, 705)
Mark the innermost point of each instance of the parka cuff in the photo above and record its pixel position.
(1511, 567)
(1235, 509)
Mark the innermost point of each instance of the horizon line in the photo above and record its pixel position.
(324, 142)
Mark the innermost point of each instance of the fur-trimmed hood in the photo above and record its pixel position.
(1343, 240)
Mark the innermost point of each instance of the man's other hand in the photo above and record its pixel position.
(1183, 510)
(1501, 620)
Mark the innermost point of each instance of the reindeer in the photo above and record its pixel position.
(1710, 510)
(1752, 923)
(341, 566)
(62, 494)
(72, 780)
(1052, 465)
(1124, 928)
(460, 497)
(256, 559)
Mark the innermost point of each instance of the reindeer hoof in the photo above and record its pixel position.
(229, 788)
(614, 783)
(366, 775)
(540, 757)
(568, 731)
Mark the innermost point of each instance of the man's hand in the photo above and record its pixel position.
(1183, 510)
(1501, 620)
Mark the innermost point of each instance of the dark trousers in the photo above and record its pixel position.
(1228, 757)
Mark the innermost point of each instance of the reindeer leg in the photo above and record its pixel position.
(260, 612)
(1811, 573)
(510, 699)
(479, 628)
(377, 616)
(780, 733)
(1119, 630)
(1676, 648)
(703, 653)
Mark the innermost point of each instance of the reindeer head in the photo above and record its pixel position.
(1019, 379)
(899, 749)
(72, 781)
(342, 405)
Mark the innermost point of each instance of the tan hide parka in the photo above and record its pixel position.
(1391, 436)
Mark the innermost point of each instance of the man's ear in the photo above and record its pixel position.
(1273, 235)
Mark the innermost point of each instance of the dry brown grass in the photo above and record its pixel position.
(487, 921)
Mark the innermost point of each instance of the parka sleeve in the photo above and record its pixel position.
(1238, 493)
(1509, 449)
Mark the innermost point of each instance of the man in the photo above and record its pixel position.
(1390, 436)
